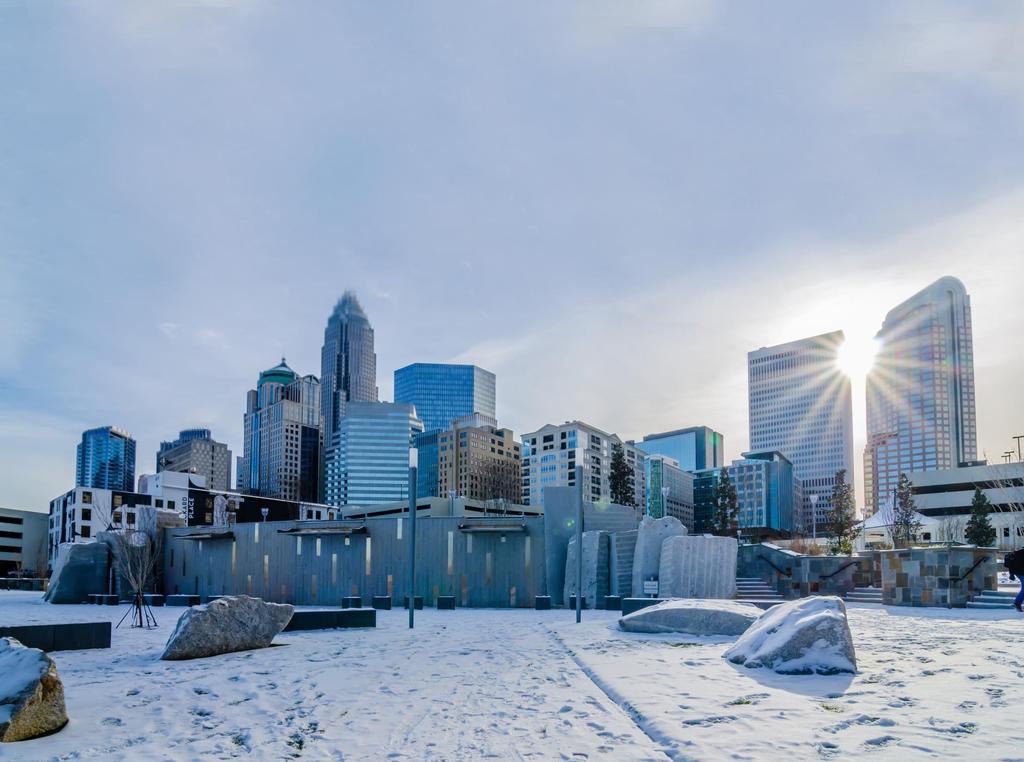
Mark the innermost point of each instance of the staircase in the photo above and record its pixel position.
(993, 599)
(865, 595)
(755, 590)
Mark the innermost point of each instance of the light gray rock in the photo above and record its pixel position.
(235, 623)
(621, 549)
(801, 637)
(31, 693)
(647, 556)
(81, 568)
(698, 567)
(693, 617)
(595, 568)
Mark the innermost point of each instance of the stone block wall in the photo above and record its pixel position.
(620, 552)
(595, 568)
(936, 576)
(697, 567)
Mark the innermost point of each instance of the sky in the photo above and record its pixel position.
(606, 204)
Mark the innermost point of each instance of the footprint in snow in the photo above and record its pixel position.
(705, 722)
(113, 721)
(881, 742)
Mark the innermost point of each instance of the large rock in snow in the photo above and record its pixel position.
(693, 617)
(647, 556)
(81, 568)
(235, 623)
(698, 567)
(801, 637)
(595, 568)
(31, 693)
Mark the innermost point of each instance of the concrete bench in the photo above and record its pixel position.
(613, 603)
(629, 605)
(67, 636)
(352, 602)
(328, 619)
(417, 602)
(572, 602)
(542, 603)
(382, 602)
(446, 603)
(182, 600)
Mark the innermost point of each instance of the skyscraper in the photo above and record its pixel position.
(371, 463)
(106, 459)
(479, 461)
(282, 440)
(800, 406)
(920, 394)
(196, 452)
(348, 373)
(443, 392)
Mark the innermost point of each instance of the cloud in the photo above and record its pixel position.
(168, 329)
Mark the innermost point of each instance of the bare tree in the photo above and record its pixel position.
(1004, 505)
(950, 529)
(136, 556)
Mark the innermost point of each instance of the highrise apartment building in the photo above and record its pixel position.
(920, 394)
(479, 461)
(196, 452)
(443, 392)
(800, 406)
(768, 495)
(551, 454)
(371, 464)
(282, 440)
(348, 373)
(105, 459)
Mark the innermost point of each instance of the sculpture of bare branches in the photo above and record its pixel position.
(136, 556)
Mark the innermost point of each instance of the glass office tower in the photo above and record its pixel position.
(106, 459)
(443, 392)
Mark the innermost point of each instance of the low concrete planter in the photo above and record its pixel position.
(542, 602)
(629, 605)
(153, 599)
(382, 602)
(572, 602)
(613, 602)
(352, 602)
(329, 619)
(68, 636)
(185, 600)
(417, 602)
(446, 603)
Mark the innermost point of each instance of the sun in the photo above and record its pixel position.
(856, 355)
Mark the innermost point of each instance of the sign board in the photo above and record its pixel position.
(651, 587)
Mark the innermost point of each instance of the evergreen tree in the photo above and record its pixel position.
(979, 529)
(841, 518)
(619, 478)
(905, 524)
(726, 506)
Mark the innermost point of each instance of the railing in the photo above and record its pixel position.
(776, 568)
(967, 574)
(844, 567)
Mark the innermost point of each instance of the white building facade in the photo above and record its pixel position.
(550, 456)
(800, 405)
(921, 412)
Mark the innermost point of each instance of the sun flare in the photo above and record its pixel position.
(856, 356)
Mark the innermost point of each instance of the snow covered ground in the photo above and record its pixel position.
(520, 684)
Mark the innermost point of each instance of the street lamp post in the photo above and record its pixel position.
(413, 462)
(664, 501)
(452, 494)
(814, 517)
(579, 543)
(265, 512)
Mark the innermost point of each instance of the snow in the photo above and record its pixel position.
(523, 684)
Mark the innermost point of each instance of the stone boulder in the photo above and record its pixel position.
(698, 567)
(234, 623)
(647, 555)
(31, 693)
(81, 568)
(801, 637)
(693, 617)
(596, 568)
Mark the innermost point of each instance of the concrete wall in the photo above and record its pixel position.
(479, 569)
(931, 576)
(560, 525)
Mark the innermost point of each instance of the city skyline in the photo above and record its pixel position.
(226, 196)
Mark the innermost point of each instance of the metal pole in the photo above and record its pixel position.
(579, 543)
(1018, 437)
(413, 459)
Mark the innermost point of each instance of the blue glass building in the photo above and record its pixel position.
(694, 449)
(106, 459)
(443, 392)
(427, 475)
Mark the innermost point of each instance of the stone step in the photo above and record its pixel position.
(863, 599)
(761, 603)
(986, 605)
(1009, 594)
